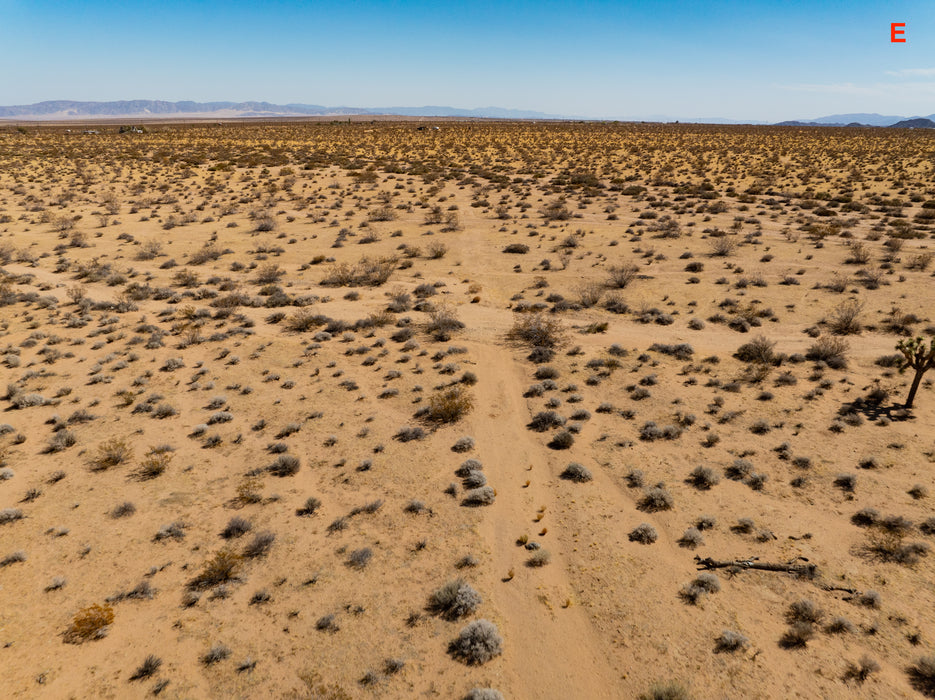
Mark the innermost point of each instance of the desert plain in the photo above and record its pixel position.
(465, 410)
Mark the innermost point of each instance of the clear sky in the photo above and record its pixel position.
(722, 58)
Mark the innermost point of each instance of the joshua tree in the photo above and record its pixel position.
(920, 358)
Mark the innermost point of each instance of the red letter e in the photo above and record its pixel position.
(894, 32)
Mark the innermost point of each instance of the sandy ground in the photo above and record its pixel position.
(151, 305)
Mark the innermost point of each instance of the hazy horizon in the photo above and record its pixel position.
(765, 62)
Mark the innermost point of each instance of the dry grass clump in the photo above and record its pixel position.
(236, 527)
(153, 465)
(17, 557)
(284, 465)
(691, 538)
(666, 690)
(223, 567)
(359, 558)
(216, 653)
(680, 351)
(803, 617)
(151, 664)
(259, 546)
(90, 623)
(111, 453)
(62, 440)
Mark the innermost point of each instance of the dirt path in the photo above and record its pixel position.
(551, 651)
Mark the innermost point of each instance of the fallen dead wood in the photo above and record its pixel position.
(802, 570)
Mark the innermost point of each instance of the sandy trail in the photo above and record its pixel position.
(550, 650)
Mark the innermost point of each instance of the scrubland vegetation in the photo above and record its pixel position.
(335, 410)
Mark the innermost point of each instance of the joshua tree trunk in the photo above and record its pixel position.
(920, 358)
(914, 388)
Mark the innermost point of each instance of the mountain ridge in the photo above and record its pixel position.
(65, 110)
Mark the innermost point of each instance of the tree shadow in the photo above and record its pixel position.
(875, 410)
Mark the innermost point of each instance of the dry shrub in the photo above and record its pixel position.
(221, 568)
(831, 351)
(448, 406)
(556, 211)
(437, 250)
(622, 275)
(759, 350)
(454, 600)
(537, 330)
(367, 272)
(589, 294)
(111, 453)
(90, 623)
(154, 465)
(443, 321)
(722, 247)
(922, 675)
(844, 320)
(478, 643)
(305, 320)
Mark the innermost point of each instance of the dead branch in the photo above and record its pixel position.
(803, 570)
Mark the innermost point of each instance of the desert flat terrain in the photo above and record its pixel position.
(447, 410)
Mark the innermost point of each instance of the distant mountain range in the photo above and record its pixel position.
(863, 119)
(64, 110)
(152, 109)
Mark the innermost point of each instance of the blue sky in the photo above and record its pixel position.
(723, 58)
